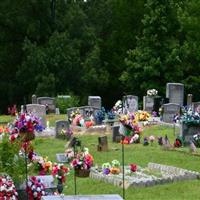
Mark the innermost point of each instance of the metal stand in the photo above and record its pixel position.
(123, 171)
(26, 166)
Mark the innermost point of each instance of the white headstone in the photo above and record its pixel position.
(130, 104)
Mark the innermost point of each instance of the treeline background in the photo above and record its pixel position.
(97, 47)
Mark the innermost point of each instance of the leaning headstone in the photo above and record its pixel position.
(175, 93)
(116, 137)
(94, 101)
(130, 104)
(102, 143)
(189, 101)
(169, 111)
(47, 101)
(34, 99)
(38, 110)
(62, 129)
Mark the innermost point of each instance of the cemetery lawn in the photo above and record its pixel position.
(134, 153)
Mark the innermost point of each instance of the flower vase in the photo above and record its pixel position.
(60, 186)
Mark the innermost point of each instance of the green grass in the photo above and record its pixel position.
(134, 153)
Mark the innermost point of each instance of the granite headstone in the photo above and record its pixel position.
(48, 102)
(62, 129)
(94, 101)
(130, 104)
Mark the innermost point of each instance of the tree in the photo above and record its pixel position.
(156, 59)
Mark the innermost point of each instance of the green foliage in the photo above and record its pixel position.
(64, 103)
(10, 161)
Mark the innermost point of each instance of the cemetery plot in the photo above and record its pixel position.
(154, 174)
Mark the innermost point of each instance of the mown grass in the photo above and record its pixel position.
(134, 153)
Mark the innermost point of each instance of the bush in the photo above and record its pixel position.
(64, 103)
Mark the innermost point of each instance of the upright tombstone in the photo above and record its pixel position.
(102, 143)
(175, 93)
(48, 181)
(62, 129)
(94, 101)
(116, 137)
(38, 110)
(169, 111)
(148, 103)
(34, 99)
(130, 103)
(47, 101)
(189, 101)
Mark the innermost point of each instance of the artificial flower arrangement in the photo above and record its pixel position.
(133, 167)
(100, 115)
(190, 118)
(142, 116)
(26, 123)
(83, 160)
(113, 168)
(69, 153)
(129, 128)
(7, 188)
(196, 139)
(60, 171)
(35, 188)
(152, 92)
(117, 108)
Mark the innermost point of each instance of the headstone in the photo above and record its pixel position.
(61, 158)
(189, 101)
(102, 143)
(116, 137)
(34, 99)
(84, 197)
(38, 110)
(48, 182)
(57, 111)
(187, 131)
(196, 106)
(169, 110)
(130, 104)
(62, 128)
(70, 110)
(64, 96)
(94, 101)
(148, 103)
(175, 93)
(47, 101)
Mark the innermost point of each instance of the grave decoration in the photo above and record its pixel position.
(146, 142)
(142, 115)
(82, 163)
(24, 126)
(113, 168)
(60, 172)
(190, 118)
(151, 139)
(100, 116)
(196, 140)
(129, 127)
(7, 188)
(152, 92)
(178, 142)
(35, 188)
(117, 108)
(133, 167)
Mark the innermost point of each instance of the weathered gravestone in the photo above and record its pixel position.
(130, 104)
(169, 111)
(62, 129)
(38, 110)
(188, 130)
(148, 103)
(84, 197)
(175, 93)
(48, 182)
(102, 143)
(34, 99)
(116, 137)
(61, 158)
(47, 101)
(94, 101)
